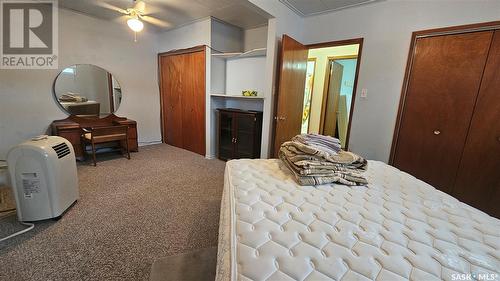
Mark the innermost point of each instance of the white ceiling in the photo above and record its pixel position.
(175, 12)
(315, 7)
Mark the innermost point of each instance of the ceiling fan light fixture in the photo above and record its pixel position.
(135, 24)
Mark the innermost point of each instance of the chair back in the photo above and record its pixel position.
(109, 130)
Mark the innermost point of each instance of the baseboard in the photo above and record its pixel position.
(146, 143)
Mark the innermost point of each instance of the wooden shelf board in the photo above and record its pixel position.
(248, 54)
(236, 97)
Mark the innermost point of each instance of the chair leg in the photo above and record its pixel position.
(84, 150)
(128, 150)
(93, 154)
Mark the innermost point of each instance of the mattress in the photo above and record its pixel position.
(396, 228)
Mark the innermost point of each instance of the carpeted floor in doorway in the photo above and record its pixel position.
(162, 202)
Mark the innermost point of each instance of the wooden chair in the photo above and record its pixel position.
(97, 135)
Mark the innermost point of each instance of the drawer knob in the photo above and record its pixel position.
(436, 132)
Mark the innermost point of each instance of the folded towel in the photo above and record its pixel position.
(314, 164)
(347, 177)
(326, 143)
(299, 151)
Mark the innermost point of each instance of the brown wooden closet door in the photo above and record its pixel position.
(443, 86)
(171, 87)
(478, 179)
(183, 100)
(291, 91)
(193, 102)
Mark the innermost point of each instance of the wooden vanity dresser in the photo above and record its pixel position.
(71, 129)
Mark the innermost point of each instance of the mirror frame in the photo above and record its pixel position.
(54, 93)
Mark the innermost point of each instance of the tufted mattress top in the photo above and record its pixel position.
(397, 228)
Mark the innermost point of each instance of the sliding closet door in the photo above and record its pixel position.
(442, 88)
(478, 179)
(183, 99)
(171, 67)
(193, 102)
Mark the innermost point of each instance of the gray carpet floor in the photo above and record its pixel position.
(164, 201)
(199, 265)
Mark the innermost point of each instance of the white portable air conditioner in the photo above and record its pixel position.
(43, 177)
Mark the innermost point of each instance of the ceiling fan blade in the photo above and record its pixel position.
(140, 6)
(110, 7)
(156, 21)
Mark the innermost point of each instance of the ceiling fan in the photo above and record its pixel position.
(135, 16)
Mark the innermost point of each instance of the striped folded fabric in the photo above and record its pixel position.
(326, 143)
(313, 165)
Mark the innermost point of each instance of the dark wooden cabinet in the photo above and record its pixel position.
(240, 133)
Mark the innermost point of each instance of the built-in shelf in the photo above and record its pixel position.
(235, 97)
(248, 54)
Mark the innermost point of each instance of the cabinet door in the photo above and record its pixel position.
(442, 89)
(245, 136)
(226, 127)
(478, 179)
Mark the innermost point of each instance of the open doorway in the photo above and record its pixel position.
(329, 90)
(316, 90)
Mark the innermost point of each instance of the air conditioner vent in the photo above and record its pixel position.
(61, 149)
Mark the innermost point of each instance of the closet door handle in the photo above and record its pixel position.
(437, 132)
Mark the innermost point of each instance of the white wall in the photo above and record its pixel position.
(27, 105)
(255, 38)
(245, 74)
(225, 37)
(285, 21)
(187, 36)
(386, 27)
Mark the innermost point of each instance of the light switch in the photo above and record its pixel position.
(364, 93)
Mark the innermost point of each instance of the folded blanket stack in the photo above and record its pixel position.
(320, 142)
(316, 159)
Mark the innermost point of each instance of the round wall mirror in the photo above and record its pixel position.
(87, 90)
